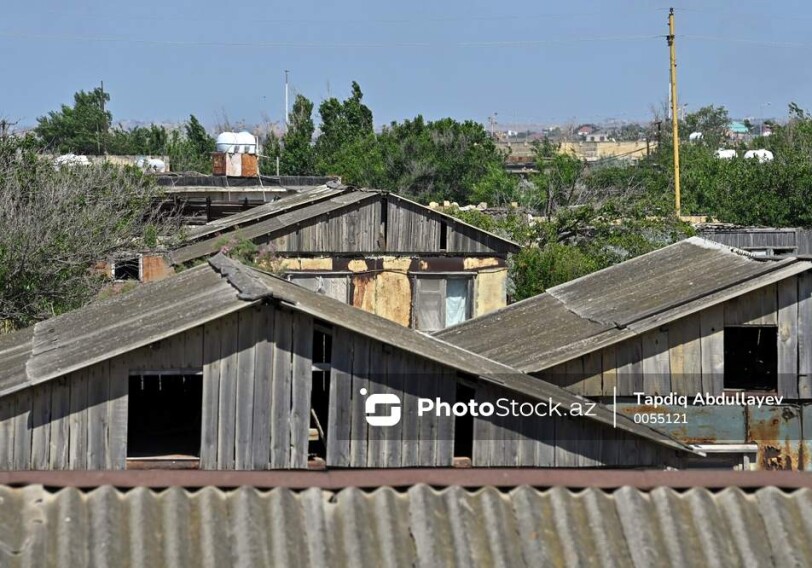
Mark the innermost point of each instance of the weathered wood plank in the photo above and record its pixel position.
(447, 391)
(246, 359)
(629, 355)
(788, 338)
(58, 457)
(427, 428)
(376, 446)
(227, 409)
(301, 387)
(656, 363)
(360, 381)
(261, 429)
(78, 421)
(805, 335)
(609, 370)
(280, 389)
(117, 410)
(340, 410)
(22, 429)
(686, 355)
(754, 308)
(97, 396)
(211, 395)
(41, 423)
(7, 432)
(193, 347)
(414, 369)
(712, 345)
(396, 365)
(592, 374)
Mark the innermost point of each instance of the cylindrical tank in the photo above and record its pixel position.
(246, 143)
(227, 142)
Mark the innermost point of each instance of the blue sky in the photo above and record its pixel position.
(539, 62)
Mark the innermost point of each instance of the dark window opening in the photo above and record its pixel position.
(384, 223)
(751, 358)
(443, 234)
(464, 425)
(164, 417)
(320, 393)
(127, 269)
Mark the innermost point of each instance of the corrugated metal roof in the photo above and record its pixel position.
(286, 203)
(273, 224)
(608, 306)
(417, 527)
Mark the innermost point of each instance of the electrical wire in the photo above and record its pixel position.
(319, 45)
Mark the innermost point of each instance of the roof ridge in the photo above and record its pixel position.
(247, 285)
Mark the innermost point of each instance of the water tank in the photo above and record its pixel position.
(723, 154)
(695, 136)
(761, 155)
(246, 143)
(227, 142)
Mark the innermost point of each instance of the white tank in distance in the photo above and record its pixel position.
(246, 143)
(761, 155)
(226, 142)
(723, 154)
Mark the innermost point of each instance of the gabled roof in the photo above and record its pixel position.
(611, 305)
(287, 212)
(158, 310)
(286, 203)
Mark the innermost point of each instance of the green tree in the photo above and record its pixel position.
(558, 176)
(343, 123)
(57, 223)
(297, 157)
(81, 129)
(711, 121)
(190, 150)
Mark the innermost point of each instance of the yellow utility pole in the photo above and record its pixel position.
(674, 115)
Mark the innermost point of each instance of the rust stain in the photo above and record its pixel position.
(249, 165)
(363, 296)
(155, 267)
(773, 454)
(218, 164)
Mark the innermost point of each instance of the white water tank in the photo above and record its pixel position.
(723, 154)
(226, 142)
(695, 137)
(761, 155)
(246, 143)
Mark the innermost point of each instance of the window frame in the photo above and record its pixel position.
(730, 388)
(443, 277)
(293, 275)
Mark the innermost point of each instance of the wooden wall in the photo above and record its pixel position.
(411, 228)
(557, 441)
(353, 229)
(687, 356)
(256, 368)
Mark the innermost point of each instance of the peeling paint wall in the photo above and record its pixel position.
(383, 285)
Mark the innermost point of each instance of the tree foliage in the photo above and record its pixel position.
(55, 224)
(298, 157)
(81, 128)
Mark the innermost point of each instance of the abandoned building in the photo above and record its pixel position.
(694, 317)
(226, 367)
(760, 241)
(371, 249)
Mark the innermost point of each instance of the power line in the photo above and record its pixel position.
(321, 45)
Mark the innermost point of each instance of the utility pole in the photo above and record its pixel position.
(287, 113)
(674, 113)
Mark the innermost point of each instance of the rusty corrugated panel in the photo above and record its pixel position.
(420, 526)
(702, 425)
(777, 432)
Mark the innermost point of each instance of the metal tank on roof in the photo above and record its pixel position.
(226, 142)
(246, 143)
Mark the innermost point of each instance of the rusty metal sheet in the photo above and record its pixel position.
(703, 424)
(777, 432)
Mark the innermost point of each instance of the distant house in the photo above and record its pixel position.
(224, 367)
(371, 249)
(737, 130)
(585, 130)
(693, 317)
